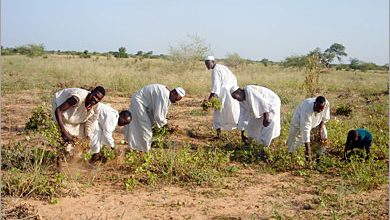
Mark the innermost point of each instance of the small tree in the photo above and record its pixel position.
(265, 62)
(313, 68)
(354, 64)
(294, 61)
(336, 50)
(187, 54)
(31, 50)
(122, 53)
(234, 60)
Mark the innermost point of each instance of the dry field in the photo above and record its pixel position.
(191, 175)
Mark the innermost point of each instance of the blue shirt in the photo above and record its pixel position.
(364, 135)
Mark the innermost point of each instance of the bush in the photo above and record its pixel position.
(344, 109)
(187, 55)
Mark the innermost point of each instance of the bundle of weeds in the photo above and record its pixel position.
(213, 103)
(176, 165)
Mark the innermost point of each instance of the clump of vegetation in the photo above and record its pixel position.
(107, 153)
(214, 103)
(177, 165)
(33, 171)
(30, 172)
(159, 135)
(312, 68)
(40, 119)
(344, 109)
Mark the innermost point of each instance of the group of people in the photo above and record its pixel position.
(254, 109)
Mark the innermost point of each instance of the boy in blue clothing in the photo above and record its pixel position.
(359, 138)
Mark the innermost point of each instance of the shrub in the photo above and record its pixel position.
(344, 109)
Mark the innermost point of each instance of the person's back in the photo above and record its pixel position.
(76, 114)
(269, 95)
(228, 79)
(364, 135)
(108, 117)
(148, 95)
(305, 111)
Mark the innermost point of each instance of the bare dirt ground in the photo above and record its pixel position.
(251, 194)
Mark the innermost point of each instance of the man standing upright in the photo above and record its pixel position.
(311, 113)
(222, 80)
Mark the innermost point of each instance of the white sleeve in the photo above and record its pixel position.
(108, 126)
(160, 111)
(257, 104)
(244, 117)
(91, 122)
(305, 125)
(326, 115)
(216, 82)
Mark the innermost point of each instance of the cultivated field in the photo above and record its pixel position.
(188, 175)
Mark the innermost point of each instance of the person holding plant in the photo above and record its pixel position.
(222, 80)
(149, 106)
(311, 113)
(76, 110)
(259, 113)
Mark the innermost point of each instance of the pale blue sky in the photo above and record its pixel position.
(254, 29)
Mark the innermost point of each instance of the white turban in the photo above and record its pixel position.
(209, 58)
(180, 91)
(233, 89)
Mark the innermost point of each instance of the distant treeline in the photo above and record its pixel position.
(183, 53)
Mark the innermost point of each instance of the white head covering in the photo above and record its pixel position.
(233, 89)
(209, 58)
(180, 91)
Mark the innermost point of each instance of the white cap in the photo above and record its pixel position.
(209, 58)
(233, 89)
(180, 91)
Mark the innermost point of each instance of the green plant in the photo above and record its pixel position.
(344, 109)
(213, 103)
(107, 153)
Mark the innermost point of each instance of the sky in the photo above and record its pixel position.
(255, 29)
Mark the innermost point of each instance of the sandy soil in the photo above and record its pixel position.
(249, 195)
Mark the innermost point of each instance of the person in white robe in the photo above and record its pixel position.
(76, 110)
(106, 123)
(259, 113)
(311, 113)
(149, 106)
(222, 80)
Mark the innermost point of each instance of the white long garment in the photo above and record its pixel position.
(77, 120)
(258, 101)
(105, 126)
(303, 121)
(148, 106)
(222, 79)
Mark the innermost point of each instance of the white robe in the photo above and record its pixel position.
(303, 121)
(148, 106)
(77, 120)
(258, 101)
(104, 127)
(222, 79)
